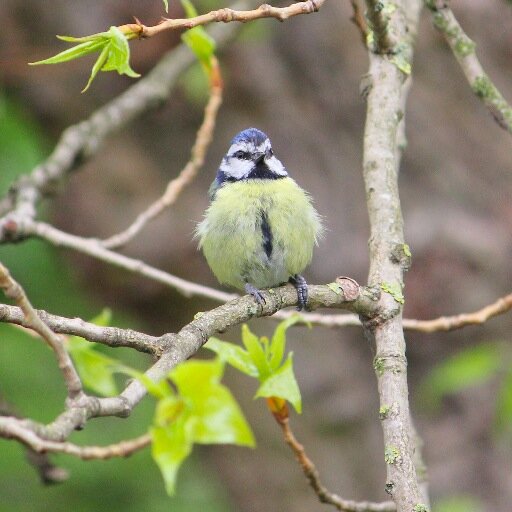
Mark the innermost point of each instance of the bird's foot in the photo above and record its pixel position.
(302, 291)
(258, 296)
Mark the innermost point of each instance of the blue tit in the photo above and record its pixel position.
(260, 228)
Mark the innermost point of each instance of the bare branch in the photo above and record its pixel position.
(179, 347)
(94, 248)
(14, 291)
(225, 16)
(449, 323)
(464, 50)
(395, 29)
(82, 141)
(111, 336)
(176, 186)
(311, 473)
(358, 20)
(117, 337)
(48, 472)
(12, 428)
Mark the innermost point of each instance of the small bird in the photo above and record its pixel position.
(260, 228)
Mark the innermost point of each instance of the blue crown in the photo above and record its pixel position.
(250, 135)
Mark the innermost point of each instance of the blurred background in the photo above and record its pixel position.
(299, 82)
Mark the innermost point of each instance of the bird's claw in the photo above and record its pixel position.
(302, 291)
(258, 296)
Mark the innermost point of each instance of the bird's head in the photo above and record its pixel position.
(250, 156)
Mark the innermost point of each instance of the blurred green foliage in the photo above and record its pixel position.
(458, 504)
(471, 367)
(31, 382)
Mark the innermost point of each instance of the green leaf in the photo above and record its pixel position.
(234, 355)
(256, 351)
(197, 39)
(119, 54)
(72, 53)
(159, 389)
(95, 369)
(92, 37)
(114, 53)
(98, 65)
(168, 410)
(504, 405)
(282, 384)
(278, 343)
(215, 417)
(170, 447)
(468, 368)
(166, 5)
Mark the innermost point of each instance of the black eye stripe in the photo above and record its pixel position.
(243, 155)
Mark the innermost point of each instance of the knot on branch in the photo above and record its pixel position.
(226, 15)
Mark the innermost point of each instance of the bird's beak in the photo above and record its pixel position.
(259, 157)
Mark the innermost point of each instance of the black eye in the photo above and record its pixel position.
(271, 152)
(243, 155)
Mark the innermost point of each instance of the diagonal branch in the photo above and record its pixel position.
(311, 473)
(14, 291)
(48, 472)
(188, 173)
(94, 248)
(81, 141)
(12, 428)
(464, 50)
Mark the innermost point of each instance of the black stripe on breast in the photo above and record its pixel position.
(267, 234)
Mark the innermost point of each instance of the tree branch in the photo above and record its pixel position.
(14, 291)
(12, 428)
(117, 337)
(81, 141)
(175, 348)
(389, 257)
(226, 15)
(464, 50)
(188, 173)
(450, 323)
(311, 473)
(94, 248)
(48, 472)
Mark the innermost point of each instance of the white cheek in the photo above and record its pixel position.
(276, 166)
(236, 168)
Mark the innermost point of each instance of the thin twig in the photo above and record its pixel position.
(450, 323)
(188, 173)
(94, 248)
(79, 142)
(464, 50)
(12, 428)
(48, 472)
(358, 20)
(311, 473)
(14, 291)
(225, 15)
